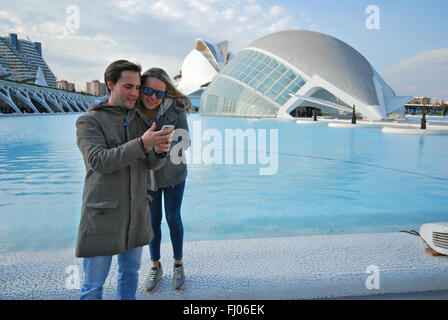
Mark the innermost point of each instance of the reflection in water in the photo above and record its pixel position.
(421, 146)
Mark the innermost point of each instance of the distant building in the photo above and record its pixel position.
(420, 104)
(65, 85)
(421, 100)
(20, 60)
(299, 70)
(96, 88)
(5, 70)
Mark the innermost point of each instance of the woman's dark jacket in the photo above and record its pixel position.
(172, 112)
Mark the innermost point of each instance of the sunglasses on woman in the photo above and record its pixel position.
(150, 91)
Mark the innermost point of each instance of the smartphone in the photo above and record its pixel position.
(170, 127)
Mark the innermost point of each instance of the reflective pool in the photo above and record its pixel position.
(327, 181)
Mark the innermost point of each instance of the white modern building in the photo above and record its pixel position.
(288, 70)
(21, 98)
(201, 65)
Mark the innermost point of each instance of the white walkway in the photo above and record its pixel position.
(312, 267)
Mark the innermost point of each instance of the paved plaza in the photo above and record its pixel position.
(308, 267)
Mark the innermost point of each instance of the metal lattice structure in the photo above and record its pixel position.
(17, 98)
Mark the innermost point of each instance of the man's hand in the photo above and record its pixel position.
(159, 139)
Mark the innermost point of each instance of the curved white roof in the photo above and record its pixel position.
(202, 64)
(196, 72)
(329, 58)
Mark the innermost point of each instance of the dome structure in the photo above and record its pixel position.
(276, 74)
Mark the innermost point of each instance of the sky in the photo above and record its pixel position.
(408, 44)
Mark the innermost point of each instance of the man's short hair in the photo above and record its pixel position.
(114, 70)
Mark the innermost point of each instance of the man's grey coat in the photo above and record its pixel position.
(115, 211)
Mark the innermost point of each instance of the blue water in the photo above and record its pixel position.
(329, 181)
(429, 118)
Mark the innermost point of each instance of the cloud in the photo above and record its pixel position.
(425, 74)
(82, 55)
(149, 32)
(428, 59)
(10, 17)
(238, 21)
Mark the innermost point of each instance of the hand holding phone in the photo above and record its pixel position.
(159, 138)
(170, 127)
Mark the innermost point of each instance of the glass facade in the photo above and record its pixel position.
(251, 85)
(23, 58)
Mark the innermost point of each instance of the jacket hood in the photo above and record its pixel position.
(128, 114)
(164, 107)
(108, 107)
(166, 104)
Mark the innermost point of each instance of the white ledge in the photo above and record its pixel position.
(414, 131)
(305, 267)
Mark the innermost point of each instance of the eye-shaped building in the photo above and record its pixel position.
(290, 70)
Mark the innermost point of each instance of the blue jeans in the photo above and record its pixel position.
(173, 201)
(96, 270)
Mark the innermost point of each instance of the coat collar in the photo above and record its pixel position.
(166, 104)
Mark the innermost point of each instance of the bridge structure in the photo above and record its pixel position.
(20, 98)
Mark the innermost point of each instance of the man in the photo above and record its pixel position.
(117, 150)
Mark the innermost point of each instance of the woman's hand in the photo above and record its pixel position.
(160, 139)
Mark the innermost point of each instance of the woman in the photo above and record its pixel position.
(163, 104)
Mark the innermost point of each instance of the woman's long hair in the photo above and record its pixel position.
(171, 91)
